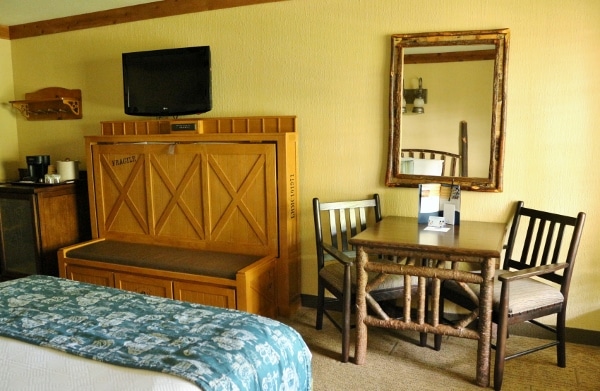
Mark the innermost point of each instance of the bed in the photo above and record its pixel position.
(67, 333)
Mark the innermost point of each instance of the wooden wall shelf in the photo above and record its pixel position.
(52, 103)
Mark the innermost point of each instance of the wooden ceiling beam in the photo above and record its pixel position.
(4, 33)
(157, 9)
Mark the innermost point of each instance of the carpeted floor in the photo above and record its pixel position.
(396, 362)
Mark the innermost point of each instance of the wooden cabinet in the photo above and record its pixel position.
(35, 221)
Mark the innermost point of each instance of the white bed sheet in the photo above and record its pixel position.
(24, 366)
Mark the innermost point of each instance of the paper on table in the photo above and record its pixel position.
(438, 229)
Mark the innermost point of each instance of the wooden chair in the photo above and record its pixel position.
(450, 160)
(546, 250)
(335, 261)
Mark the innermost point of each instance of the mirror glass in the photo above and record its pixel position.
(458, 81)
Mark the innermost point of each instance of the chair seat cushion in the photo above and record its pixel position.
(525, 295)
(333, 272)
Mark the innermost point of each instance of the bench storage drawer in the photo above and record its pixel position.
(145, 285)
(90, 275)
(217, 296)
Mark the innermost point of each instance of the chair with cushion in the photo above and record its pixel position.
(335, 223)
(532, 283)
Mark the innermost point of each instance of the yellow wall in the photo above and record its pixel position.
(328, 63)
(9, 148)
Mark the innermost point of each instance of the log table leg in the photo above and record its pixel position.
(361, 306)
(485, 323)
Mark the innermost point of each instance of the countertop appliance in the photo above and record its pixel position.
(37, 167)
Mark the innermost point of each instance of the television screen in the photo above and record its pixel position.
(167, 82)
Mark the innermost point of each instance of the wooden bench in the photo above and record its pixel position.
(207, 218)
(244, 282)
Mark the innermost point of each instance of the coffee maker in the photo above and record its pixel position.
(37, 167)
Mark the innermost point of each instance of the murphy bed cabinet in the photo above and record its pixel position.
(227, 185)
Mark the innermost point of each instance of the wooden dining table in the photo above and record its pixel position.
(430, 257)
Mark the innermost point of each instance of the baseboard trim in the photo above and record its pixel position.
(574, 335)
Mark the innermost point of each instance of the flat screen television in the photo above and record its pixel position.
(167, 82)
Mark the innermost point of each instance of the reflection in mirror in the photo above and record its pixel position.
(463, 78)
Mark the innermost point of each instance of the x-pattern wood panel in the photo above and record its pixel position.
(217, 194)
(237, 198)
(177, 192)
(123, 187)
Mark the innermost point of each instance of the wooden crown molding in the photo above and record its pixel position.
(4, 33)
(157, 9)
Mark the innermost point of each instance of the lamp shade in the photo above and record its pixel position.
(419, 105)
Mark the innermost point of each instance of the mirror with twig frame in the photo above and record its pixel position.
(480, 103)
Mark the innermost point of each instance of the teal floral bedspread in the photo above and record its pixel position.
(215, 348)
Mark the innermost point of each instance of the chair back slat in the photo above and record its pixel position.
(333, 226)
(362, 212)
(539, 239)
(543, 241)
(352, 218)
(548, 245)
(525, 258)
(559, 239)
(343, 230)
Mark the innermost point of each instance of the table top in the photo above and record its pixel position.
(470, 238)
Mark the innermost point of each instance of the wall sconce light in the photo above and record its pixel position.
(416, 97)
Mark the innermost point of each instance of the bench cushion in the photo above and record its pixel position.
(177, 259)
